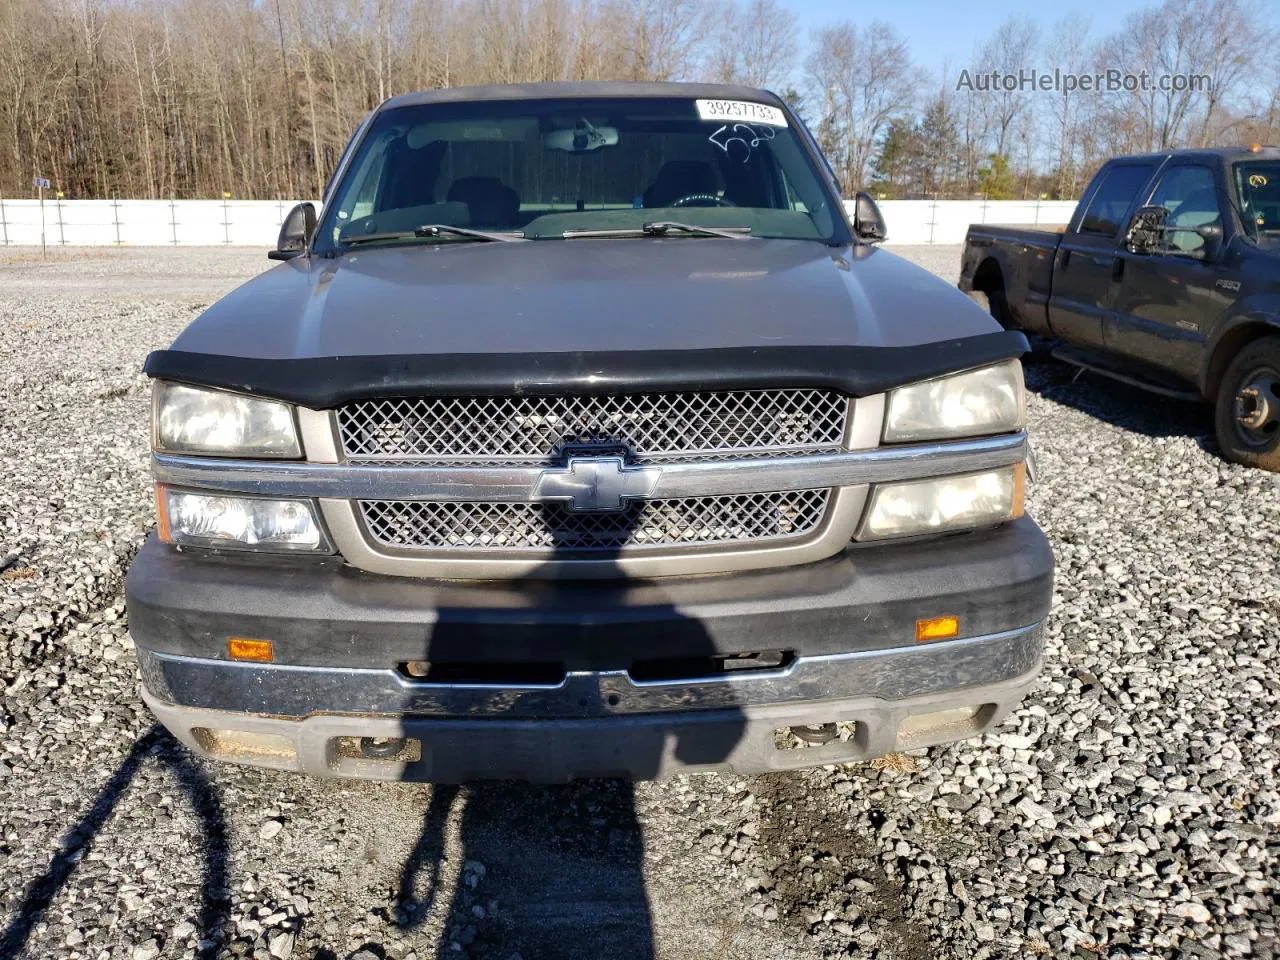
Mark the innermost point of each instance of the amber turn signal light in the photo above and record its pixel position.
(1019, 490)
(162, 514)
(937, 628)
(242, 648)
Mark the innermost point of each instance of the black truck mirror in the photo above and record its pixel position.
(868, 224)
(1146, 232)
(295, 232)
(1211, 234)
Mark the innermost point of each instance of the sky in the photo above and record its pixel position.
(938, 31)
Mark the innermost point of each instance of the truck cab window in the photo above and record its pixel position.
(1191, 197)
(1113, 199)
(549, 167)
(1257, 184)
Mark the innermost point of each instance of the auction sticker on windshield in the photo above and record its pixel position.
(741, 110)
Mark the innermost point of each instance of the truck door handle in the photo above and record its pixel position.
(1066, 258)
(1117, 268)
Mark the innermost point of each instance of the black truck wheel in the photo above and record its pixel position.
(1247, 417)
(994, 304)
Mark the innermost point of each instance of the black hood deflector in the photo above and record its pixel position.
(323, 382)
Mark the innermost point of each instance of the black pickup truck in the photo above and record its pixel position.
(1167, 277)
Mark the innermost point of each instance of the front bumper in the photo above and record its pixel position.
(741, 739)
(340, 637)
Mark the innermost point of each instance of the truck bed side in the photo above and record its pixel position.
(1016, 260)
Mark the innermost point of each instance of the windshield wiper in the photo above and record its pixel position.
(436, 230)
(444, 229)
(660, 228)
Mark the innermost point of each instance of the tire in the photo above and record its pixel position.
(995, 304)
(1247, 412)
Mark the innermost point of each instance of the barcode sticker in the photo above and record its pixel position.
(741, 111)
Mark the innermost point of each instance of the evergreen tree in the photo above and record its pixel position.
(892, 163)
(995, 179)
(936, 152)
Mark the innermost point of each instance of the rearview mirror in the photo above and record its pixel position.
(583, 138)
(1146, 232)
(295, 232)
(868, 224)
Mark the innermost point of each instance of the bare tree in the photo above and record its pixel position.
(861, 78)
(1230, 33)
(1172, 44)
(974, 120)
(1071, 44)
(159, 98)
(757, 44)
(666, 35)
(1011, 49)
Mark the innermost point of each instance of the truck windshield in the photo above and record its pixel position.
(544, 168)
(1257, 185)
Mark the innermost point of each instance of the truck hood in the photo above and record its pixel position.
(584, 316)
(583, 296)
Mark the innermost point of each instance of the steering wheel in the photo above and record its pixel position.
(701, 200)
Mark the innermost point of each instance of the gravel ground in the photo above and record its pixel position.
(1129, 808)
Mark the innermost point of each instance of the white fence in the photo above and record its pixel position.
(945, 221)
(137, 223)
(255, 222)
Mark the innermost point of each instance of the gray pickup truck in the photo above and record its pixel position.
(1167, 277)
(584, 433)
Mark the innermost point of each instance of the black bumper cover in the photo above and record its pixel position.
(324, 613)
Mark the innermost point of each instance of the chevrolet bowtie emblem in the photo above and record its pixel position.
(596, 483)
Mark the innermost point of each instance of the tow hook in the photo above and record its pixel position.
(816, 734)
(381, 748)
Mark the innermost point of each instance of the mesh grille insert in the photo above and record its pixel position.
(683, 522)
(648, 428)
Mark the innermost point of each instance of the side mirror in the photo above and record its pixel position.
(1211, 234)
(868, 224)
(1146, 232)
(295, 233)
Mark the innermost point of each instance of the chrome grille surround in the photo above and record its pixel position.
(653, 524)
(646, 428)
(339, 487)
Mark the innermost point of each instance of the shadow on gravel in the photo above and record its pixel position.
(1121, 405)
(548, 871)
(558, 871)
(155, 744)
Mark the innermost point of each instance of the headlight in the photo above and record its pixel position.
(244, 523)
(945, 503)
(973, 404)
(192, 420)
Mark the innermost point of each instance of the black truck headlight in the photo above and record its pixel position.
(975, 403)
(960, 502)
(239, 523)
(221, 424)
